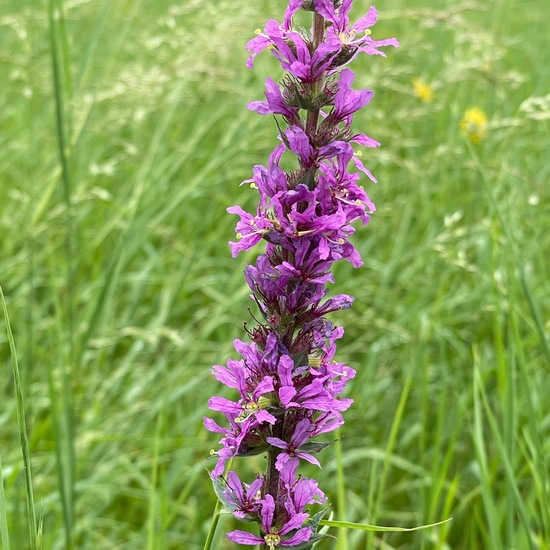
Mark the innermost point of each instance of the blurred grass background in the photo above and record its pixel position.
(124, 136)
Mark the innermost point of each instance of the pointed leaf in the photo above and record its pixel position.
(314, 447)
(300, 358)
(253, 450)
(309, 544)
(219, 488)
(314, 521)
(365, 527)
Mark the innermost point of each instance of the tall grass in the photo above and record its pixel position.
(24, 443)
(124, 138)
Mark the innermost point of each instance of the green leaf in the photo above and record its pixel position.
(365, 527)
(315, 520)
(309, 544)
(300, 358)
(219, 488)
(24, 438)
(314, 446)
(256, 450)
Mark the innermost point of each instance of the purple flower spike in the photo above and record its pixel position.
(287, 389)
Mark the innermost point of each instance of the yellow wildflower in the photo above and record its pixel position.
(423, 91)
(474, 124)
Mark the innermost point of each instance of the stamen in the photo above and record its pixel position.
(272, 540)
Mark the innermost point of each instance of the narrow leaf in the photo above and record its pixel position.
(314, 447)
(22, 428)
(365, 527)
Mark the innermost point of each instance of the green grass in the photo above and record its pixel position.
(124, 136)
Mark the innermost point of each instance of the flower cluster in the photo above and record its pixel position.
(289, 386)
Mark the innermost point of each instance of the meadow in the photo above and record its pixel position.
(124, 137)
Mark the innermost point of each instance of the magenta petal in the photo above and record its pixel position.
(260, 107)
(212, 426)
(276, 442)
(293, 7)
(311, 459)
(242, 537)
(265, 386)
(264, 416)
(302, 535)
(234, 483)
(268, 509)
(293, 523)
(286, 394)
(326, 9)
(368, 21)
(362, 139)
(223, 405)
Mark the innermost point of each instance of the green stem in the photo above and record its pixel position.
(342, 541)
(65, 457)
(213, 526)
(311, 122)
(318, 30)
(216, 515)
(318, 35)
(272, 478)
(272, 474)
(24, 438)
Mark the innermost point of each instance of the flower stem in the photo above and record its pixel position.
(311, 122)
(272, 475)
(318, 29)
(318, 35)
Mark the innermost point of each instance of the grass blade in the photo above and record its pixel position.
(33, 531)
(62, 86)
(379, 528)
(4, 531)
(342, 541)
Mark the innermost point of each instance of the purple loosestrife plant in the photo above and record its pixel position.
(289, 387)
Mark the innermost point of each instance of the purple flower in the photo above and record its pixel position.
(291, 454)
(249, 405)
(273, 537)
(346, 100)
(293, 51)
(339, 18)
(313, 396)
(295, 57)
(271, 180)
(263, 40)
(229, 442)
(244, 499)
(345, 35)
(275, 104)
(250, 229)
(301, 493)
